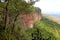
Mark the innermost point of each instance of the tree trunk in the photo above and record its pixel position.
(15, 19)
(6, 14)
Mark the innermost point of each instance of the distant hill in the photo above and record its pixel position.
(55, 14)
(53, 18)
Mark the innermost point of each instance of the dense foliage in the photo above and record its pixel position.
(37, 10)
(42, 30)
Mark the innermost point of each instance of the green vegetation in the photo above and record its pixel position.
(49, 29)
(37, 10)
(10, 11)
(42, 30)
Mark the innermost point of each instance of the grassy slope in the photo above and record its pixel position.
(51, 27)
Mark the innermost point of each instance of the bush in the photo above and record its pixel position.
(41, 34)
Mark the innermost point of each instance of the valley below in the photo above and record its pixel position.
(53, 18)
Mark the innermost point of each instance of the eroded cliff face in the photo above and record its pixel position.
(28, 20)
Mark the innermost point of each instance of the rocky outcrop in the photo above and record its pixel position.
(29, 19)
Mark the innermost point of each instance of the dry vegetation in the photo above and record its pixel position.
(55, 19)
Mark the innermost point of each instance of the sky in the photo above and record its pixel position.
(49, 6)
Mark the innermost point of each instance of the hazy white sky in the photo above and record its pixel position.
(48, 6)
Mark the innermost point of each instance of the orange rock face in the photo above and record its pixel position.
(30, 19)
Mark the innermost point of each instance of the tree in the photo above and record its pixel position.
(9, 12)
(13, 8)
(38, 10)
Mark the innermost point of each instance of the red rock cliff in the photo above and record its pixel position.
(29, 19)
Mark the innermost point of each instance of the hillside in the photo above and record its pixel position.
(51, 27)
(53, 18)
(20, 20)
(44, 29)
